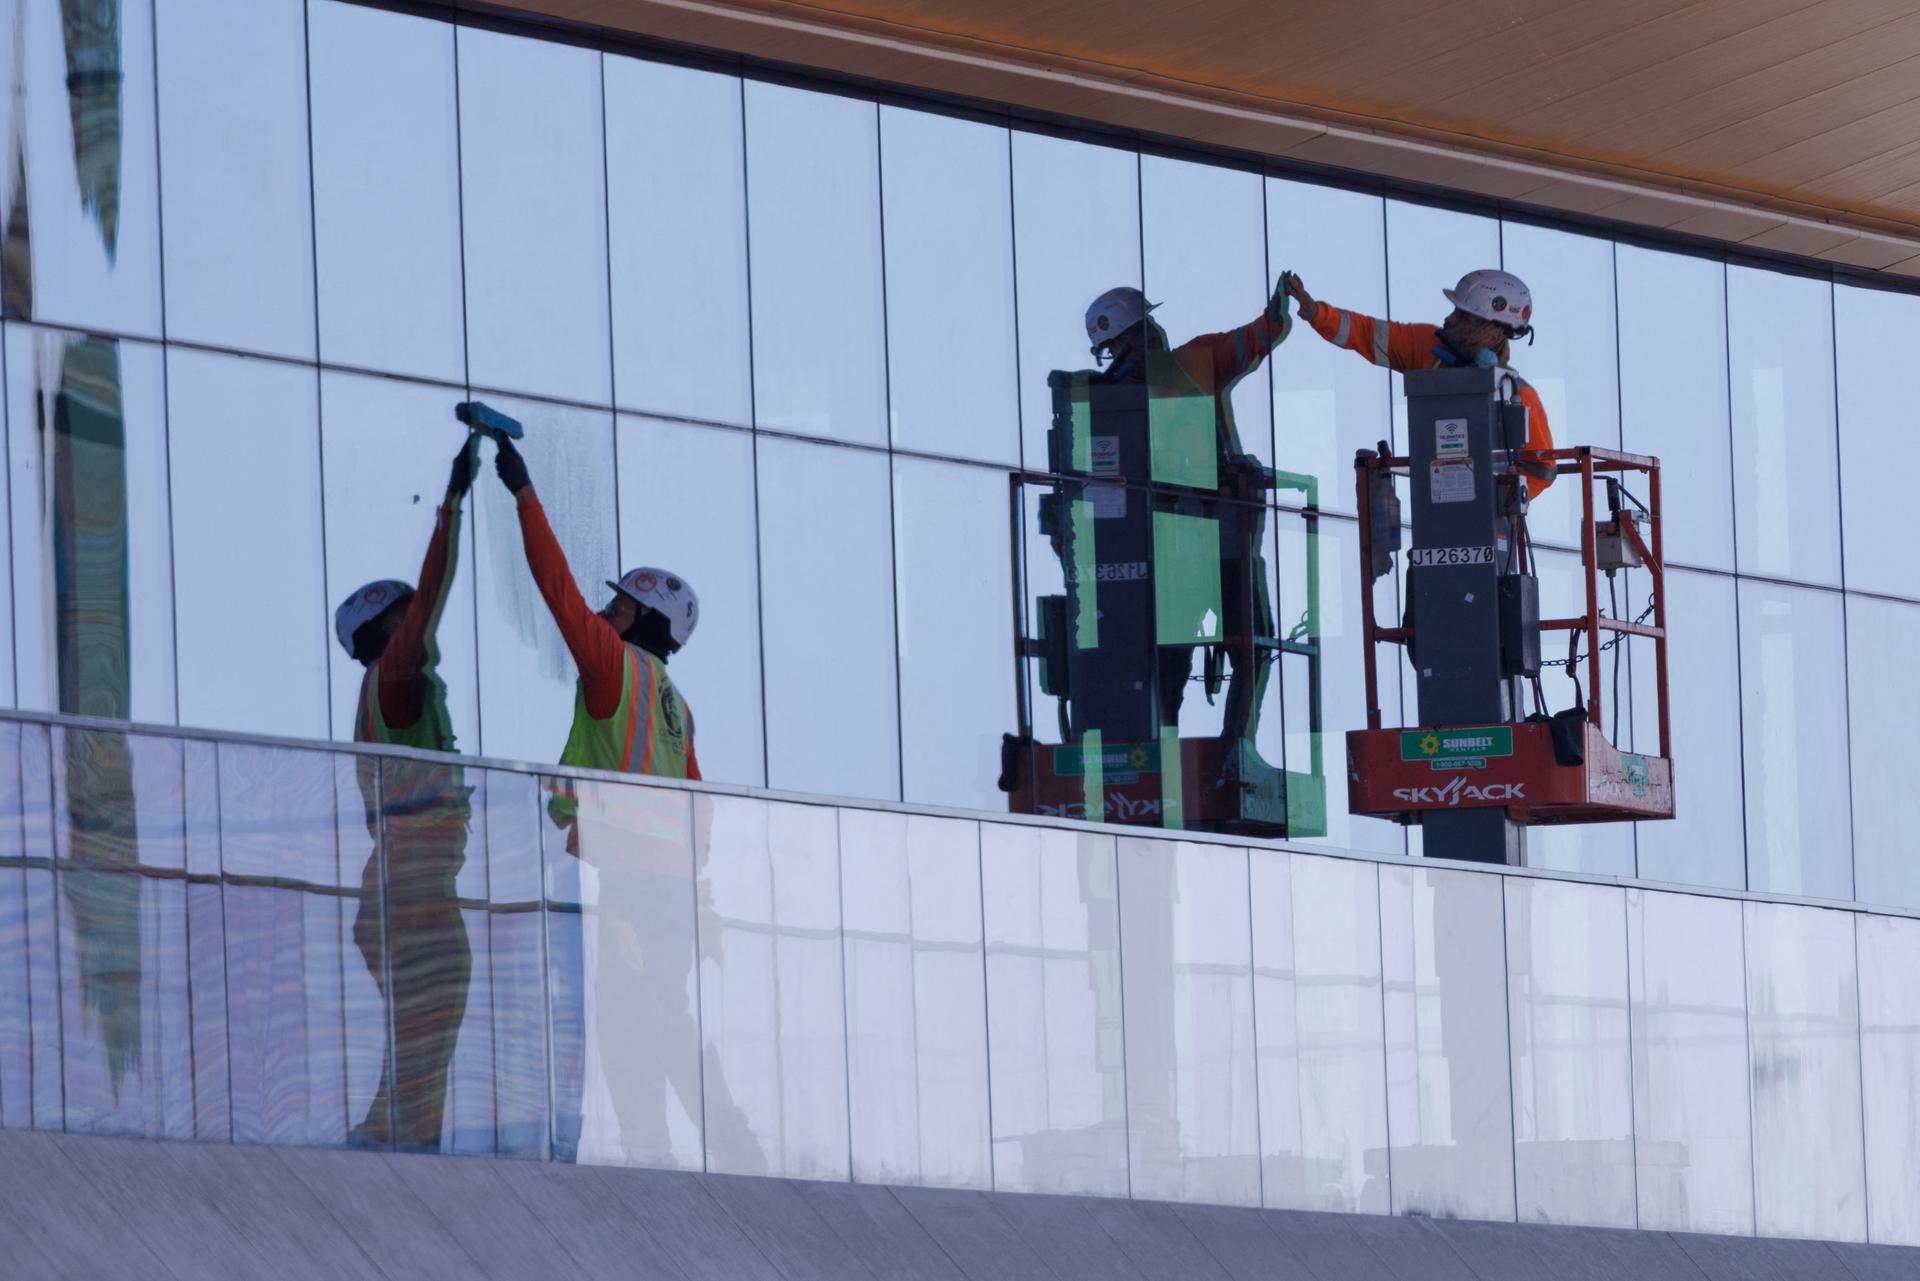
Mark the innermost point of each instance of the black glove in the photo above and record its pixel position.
(462, 478)
(511, 466)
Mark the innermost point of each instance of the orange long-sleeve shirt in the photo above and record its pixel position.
(1403, 347)
(406, 665)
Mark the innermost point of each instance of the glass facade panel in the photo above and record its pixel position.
(81, 184)
(1673, 395)
(1804, 1027)
(686, 504)
(1793, 696)
(1874, 406)
(534, 217)
(916, 1000)
(813, 214)
(1786, 473)
(1890, 1063)
(621, 957)
(1065, 260)
(677, 212)
(1054, 1022)
(1693, 1133)
(92, 630)
(251, 613)
(772, 1012)
(829, 656)
(237, 202)
(1327, 402)
(1192, 1108)
(957, 672)
(1317, 1020)
(1448, 1109)
(386, 191)
(1572, 1074)
(946, 193)
(1882, 690)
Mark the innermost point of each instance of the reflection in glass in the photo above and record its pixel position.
(676, 202)
(1890, 1064)
(1883, 688)
(1786, 473)
(1054, 1022)
(250, 594)
(1448, 1107)
(1793, 694)
(916, 1000)
(1572, 1078)
(826, 575)
(1316, 991)
(1692, 1129)
(237, 201)
(949, 250)
(772, 1011)
(20, 795)
(1192, 1110)
(386, 191)
(620, 940)
(79, 199)
(1673, 398)
(92, 569)
(534, 216)
(813, 209)
(1327, 404)
(1803, 1019)
(1869, 325)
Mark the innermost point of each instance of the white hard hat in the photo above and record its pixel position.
(667, 592)
(1494, 295)
(1114, 312)
(365, 605)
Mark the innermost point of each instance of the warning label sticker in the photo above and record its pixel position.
(1450, 438)
(1109, 501)
(1451, 480)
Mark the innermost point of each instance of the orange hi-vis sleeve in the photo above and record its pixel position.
(403, 663)
(597, 649)
(1387, 343)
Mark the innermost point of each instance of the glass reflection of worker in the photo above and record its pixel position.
(1122, 331)
(1490, 309)
(390, 627)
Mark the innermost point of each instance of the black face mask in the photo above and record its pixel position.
(651, 631)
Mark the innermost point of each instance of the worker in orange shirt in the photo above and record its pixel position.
(1490, 309)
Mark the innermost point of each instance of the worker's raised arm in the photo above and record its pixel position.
(1237, 352)
(1393, 345)
(597, 649)
(409, 651)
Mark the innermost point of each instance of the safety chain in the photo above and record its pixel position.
(1617, 638)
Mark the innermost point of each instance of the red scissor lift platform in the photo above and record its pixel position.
(1398, 773)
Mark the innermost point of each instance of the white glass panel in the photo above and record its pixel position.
(1793, 695)
(953, 363)
(1883, 688)
(80, 178)
(92, 631)
(916, 1000)
(819, 308)
(1316, 992)
(1076, 230)
(1673, 394)
(1205, 253)
(1870, 326)
(1890, 1064)
(1328, 402)
(1804, 1023)
(251, 612)
(677, 207)
(237, 200)
(956, 631)
(1693, 1133)
(1054, 1023)
(533, 170)
(1786, 473)
(527, 675)
(379, 521)
(686, 505)
(771, 988)
(1192, 1111)
(826, 569)
(1572, 1079)
(386, 191)
(1448, 1107)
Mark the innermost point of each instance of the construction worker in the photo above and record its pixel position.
(1133, 347)
(1490, 309)
(423, 810)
